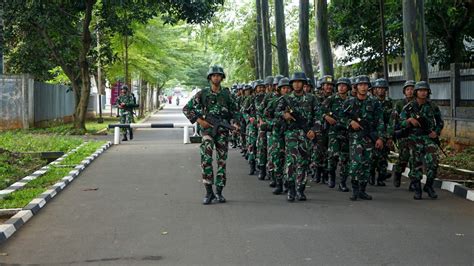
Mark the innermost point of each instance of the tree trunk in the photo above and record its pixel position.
(303, 38)
(322, 37)
(83, 102)
(143, 103)
(281, 38)
(414, 36)
(257, 69)
(259, 40)
(127, 75)
(267, 42)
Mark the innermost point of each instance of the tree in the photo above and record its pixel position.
(323, 44)
(64, 29)
(416, 63)
(259, 40)
(305, 54)
(281, 38)
(267, 45)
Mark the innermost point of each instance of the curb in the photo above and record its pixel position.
(22, 182)
(453, 187)
(13, 224)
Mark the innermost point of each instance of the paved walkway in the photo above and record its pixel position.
(147, 211)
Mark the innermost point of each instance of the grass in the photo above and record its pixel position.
(49, 178)
(14, 167)
(23, 141)
(20, 198)
(464, 159)
(82, 152)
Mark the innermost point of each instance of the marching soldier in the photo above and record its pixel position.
(320, 145)
(262, 128)
(364, 119)
(250, 112)
(125, 103)
(423, 120)
(331, 113)
(247, 93)
(297, 110)
(215, 101)
(380, 161)
(402, 141)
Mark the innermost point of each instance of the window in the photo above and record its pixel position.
(390, 68)
(400, 66)
(395, 67)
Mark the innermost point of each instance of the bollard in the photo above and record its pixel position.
(186, 135)
(116, 135)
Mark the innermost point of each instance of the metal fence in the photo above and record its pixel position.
(52, 101)
(16, 103)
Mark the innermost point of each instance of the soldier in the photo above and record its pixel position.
(309, 86)
(260, 103)
(380, 161)
(402, 141)
(250, 112)
(423, 120)
(215, 101)
(320, 145)
(235, 137)
(125, 103)
(331, 114)
(273, 141)
(297, 110)
(364, 119)
(354, 87)
(247, 93)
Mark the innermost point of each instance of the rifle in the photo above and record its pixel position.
(425, 127)
(217, 123)
(300, 121)
(366, 129)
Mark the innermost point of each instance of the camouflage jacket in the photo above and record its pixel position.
(302, 108)
(269, 112)
(332, 106)
(129, 102)
(387, 108)
(428, 114)
(205, 102)
(368, 113)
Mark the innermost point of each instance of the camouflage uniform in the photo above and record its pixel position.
(126, 113)
(261, 157)
(296, 143)
(361, 142)
(423, 149)
(250, 111)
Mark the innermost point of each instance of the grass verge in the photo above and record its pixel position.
(83, 152)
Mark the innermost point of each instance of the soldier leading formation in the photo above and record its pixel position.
(290, 131)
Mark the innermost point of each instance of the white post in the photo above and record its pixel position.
(116, 135)
(195, 129)
(186, 135)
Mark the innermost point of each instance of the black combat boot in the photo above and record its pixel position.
(362, 194)
(209, 195)
(317, 175)
(300, 196)
(219, 196)
(428, 188)
(291, 191)
(397, 179)
(252, 167)
(411, 187)
(380, 180)
(285, 186)
(131, 133)
(272, 177)
(124, 137)
(355, 190)
(325, 176)
(387, 176)
(262, 172)
(372, 178)
(342, 184)
(417, 189)
(332, 179)
(279, 187)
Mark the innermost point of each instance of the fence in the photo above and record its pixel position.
(453, 90)
(53, 102)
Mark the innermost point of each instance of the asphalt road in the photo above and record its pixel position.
(147, 211)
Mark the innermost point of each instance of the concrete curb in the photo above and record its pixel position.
(22, 182)
(453, 187)
(12, 225)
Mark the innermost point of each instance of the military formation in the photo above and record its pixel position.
(337, 133)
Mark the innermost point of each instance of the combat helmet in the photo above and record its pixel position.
(422, 85)
(311, 83)
(344, 80)
(407, 84)
(257, 83)
(268, 80)
(276, 79)
(327, 79)
(298, 76)
(362, 79)
(215, 70)
(381, 83)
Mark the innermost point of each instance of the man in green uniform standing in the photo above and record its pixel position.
(250, 112)
(380, 161)
(125, 103)
(423, 119)
(213, 102)
(400, 138)
(260, 102)
(297, 110)
(331, 113)
(364, 119)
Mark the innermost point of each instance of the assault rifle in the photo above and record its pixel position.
(425, 127)
(366, 129)
(217, 123)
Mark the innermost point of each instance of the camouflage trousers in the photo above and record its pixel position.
(380, 161)
(296, 156)
(262, 148)
(423, 150)
(338, 152)
(276, 154)
(319, 152)
(360, 154)
(220, 144)
(125, 118)
(252, 134)
(403, 156)
(242, 137)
